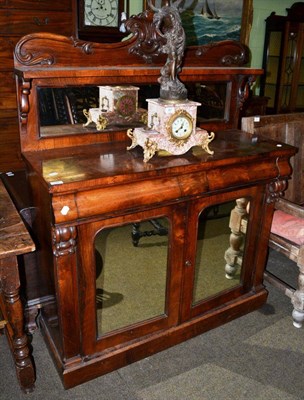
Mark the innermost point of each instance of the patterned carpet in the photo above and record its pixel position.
(257, 357)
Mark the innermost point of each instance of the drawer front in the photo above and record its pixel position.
(60, 5)
(20, 23)
(113, 199)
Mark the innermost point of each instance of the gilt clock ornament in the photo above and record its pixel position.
(171, 127)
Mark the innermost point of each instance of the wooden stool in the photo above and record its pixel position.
(14, 241)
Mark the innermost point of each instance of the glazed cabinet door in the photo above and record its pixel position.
(220, 262)
(130, 276)
(283, 63)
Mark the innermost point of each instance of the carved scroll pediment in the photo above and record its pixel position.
(29, 58)
(146, 44)
(29, 53)
(226, 53)
(148, 40)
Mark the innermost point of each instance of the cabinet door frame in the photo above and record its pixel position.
(290, 27)
(91, 342)
(250, 259)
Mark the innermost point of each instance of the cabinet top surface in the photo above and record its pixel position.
(112, 164)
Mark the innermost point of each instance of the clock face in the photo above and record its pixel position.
(126, 105)
(101, 13)
(180, 125)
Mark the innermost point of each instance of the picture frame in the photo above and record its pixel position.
(232, 20)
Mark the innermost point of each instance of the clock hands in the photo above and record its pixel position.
(101, 6)
(181, 128)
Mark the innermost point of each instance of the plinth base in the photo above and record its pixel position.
(154, 142)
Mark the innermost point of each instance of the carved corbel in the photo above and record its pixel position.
(275, 190)
(245, 83)
(25, 90)
(64, 240)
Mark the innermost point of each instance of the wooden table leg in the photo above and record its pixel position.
(233, 255)
(10, 284)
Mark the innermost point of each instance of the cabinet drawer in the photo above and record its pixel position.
(20, 23)
(55, 5)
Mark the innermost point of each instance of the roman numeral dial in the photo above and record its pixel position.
(101, 13)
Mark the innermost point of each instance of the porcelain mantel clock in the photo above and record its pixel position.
(171, 125)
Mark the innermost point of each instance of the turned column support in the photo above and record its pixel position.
(237, 224)
(297, 298)
(10, 284)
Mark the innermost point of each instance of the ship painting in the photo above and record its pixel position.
(207, 12)
(207, 21)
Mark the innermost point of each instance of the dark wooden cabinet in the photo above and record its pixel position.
(113, 303)
(18, 18)
(283, 61)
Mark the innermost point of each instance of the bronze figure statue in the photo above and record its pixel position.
(168, 22)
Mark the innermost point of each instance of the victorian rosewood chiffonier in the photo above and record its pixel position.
(111, 300)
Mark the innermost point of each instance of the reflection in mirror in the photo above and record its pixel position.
(84, 109)
(74, 110)
(213, 98)
(217, 242)
(60, 106)
(131, 276)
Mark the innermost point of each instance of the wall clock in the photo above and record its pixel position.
(99, 20)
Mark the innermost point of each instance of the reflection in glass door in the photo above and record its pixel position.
(213, 244)
(131, 279)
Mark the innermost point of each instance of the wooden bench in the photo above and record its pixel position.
(14, 241)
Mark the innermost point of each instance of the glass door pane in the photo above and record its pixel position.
(272, 68)
(220, 241)
(131, 274)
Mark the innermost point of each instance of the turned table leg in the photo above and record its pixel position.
(13, 310)
(297, 298)
(237, 225)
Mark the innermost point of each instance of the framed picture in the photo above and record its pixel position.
(207, 21)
